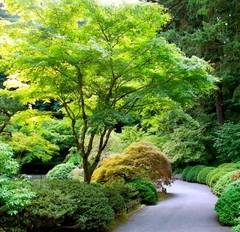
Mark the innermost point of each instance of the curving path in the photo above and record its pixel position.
(189, 208)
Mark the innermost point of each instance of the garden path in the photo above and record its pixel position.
(188, 208)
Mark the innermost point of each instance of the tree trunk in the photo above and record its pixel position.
(219, 105)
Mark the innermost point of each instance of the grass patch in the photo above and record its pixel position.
(121, 218)
(162, 196)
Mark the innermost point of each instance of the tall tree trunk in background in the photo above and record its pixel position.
(219, 105)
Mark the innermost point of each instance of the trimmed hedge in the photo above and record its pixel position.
(232, 185)
(223, 181)
(118, 194)
(214, 175)
(202, 175)
(185, 172)
(146, 190)
(228, 206)
(61, 203)
(60, 171)
(236, 228)
(193, 173)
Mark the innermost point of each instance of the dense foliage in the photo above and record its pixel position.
(214, 175)
(62, 203)
(60, 171)
(139, 159)
(101, 70)
(193, 173)
(224, 181)
(227, 142)
(15, 192)
(119, 194)
(147, 192)
(202, 175)
(228, 206)
(185, 172)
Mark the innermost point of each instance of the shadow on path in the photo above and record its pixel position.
(189, 208)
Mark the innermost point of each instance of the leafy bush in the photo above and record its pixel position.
(60, 171)
(185, 172)
(118, 194)
(215, 174)
(15, 192)
(187, 143)
(62, 203)
(232, 185)
(77, 174)
(223, 181)
(228, 206)
(227, 142)
(146, 190)
(193, 173)
(139, 159)
(202, 175)
(237, 227)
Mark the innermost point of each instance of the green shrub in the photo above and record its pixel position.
(222, 182)
(230, 165)
(146, 190)
(228, 206)
(185, 172)
(234, 184)
(62, 203)
(193, 173)
(202, 175)
(118, 194)
(15, 191)
(215, 174)
(60, 171)
(236, 228)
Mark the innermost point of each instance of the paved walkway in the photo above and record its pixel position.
(189, 208)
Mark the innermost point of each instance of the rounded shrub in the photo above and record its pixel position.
(214, 175)
(60, 171)
(185, 172)
(223, 181)
(236, 228)
(146, 190)
(193, 173)
(118, 194)
(228, 206)
(234, 184)
(202, 175)
(62, 203)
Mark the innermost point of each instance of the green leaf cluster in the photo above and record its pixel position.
(15, 193)
(227, 142)
(224, 181)
(228, 206)
(62, 203)
(146, 190)
(202, 175)
(60, 171)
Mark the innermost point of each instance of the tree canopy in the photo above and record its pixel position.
(102, 63)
